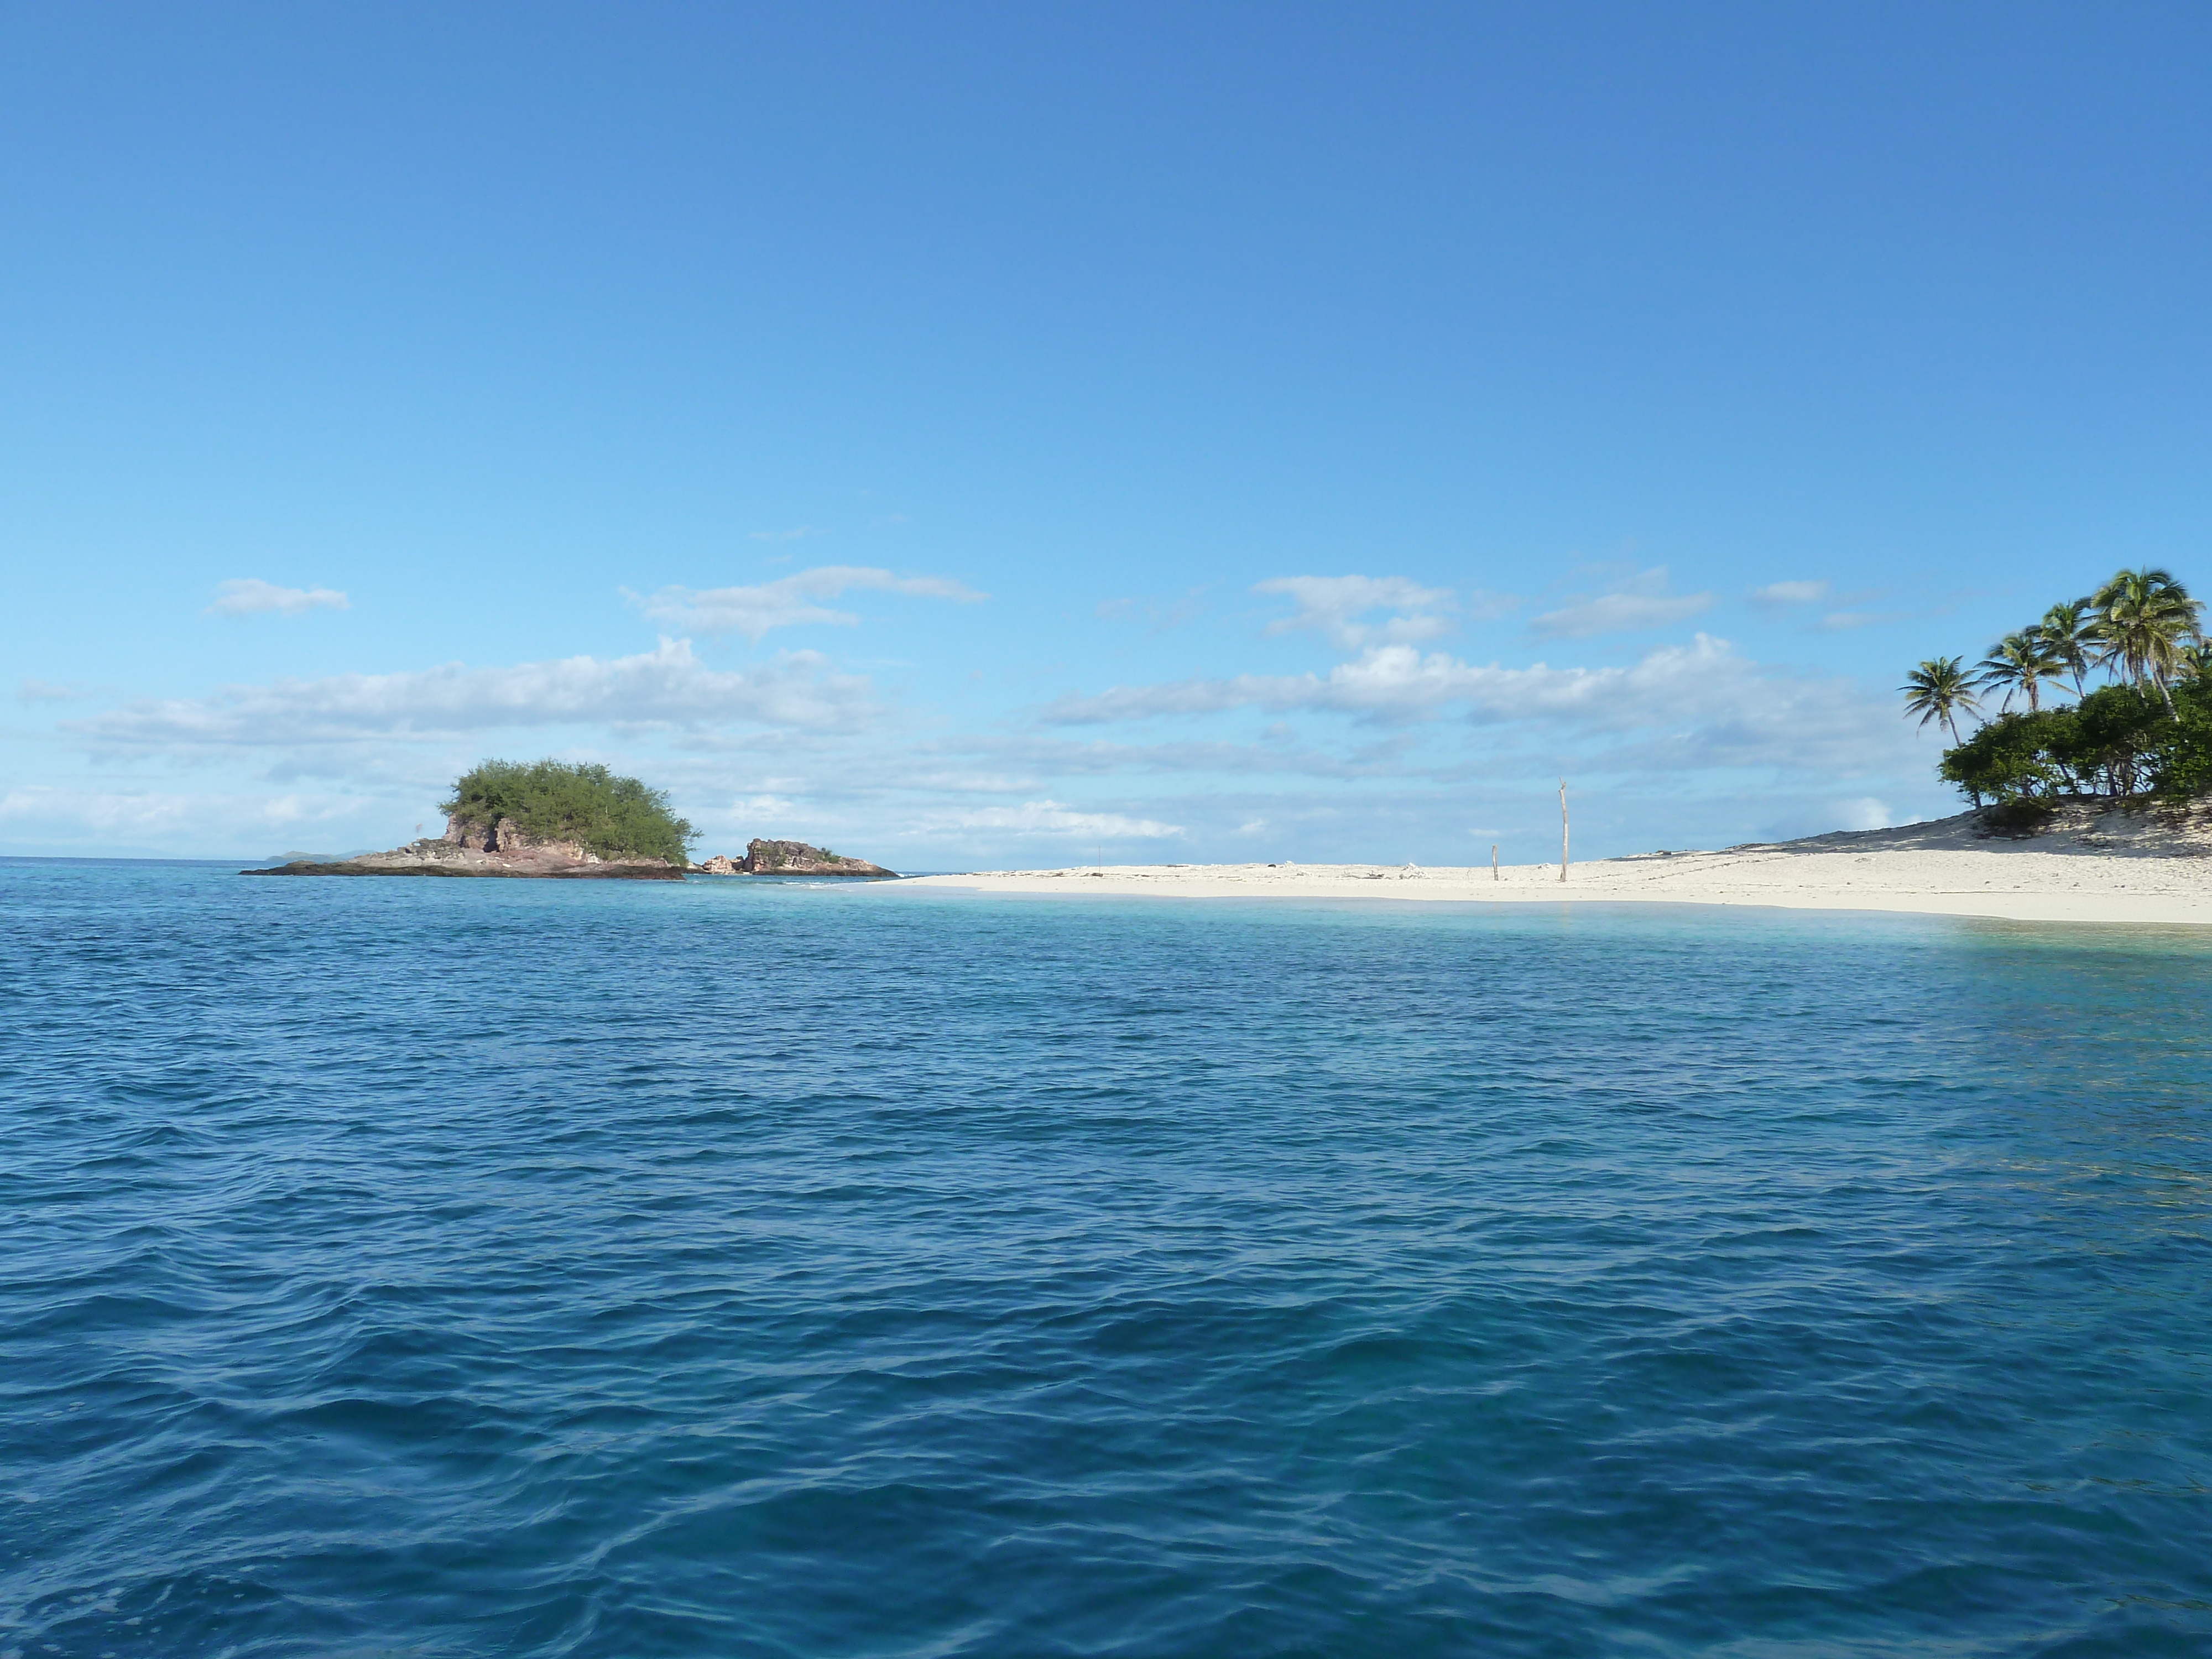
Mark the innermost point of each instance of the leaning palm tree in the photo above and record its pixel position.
(2019, 662)
(1939, 689)
(2145, 620)
(2065, 633)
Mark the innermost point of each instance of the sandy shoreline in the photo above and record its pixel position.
(2113, 867)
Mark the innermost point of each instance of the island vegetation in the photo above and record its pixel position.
(790, 858)
(2143, 730)
(556, 800)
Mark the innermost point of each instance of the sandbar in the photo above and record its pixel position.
(2114, 866)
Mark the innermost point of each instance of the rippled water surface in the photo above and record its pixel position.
(433, 1267)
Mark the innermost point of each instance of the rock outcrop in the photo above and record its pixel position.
(470, 848)
(791, 857)
(506, 836)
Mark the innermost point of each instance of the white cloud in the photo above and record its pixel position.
(31, 690)
(1398, 681)
(787, 601)
(763, 804)
(1786, 596)
(952, 782)
(1046, 817)
(134, 812)
(667, 685)
(154, 815)
(250, 596)
(1819, 816)
(1702, 704)
(1334, 605)
(1636, 603)
(1776, 595)
(1045, 757)
(1863, 814)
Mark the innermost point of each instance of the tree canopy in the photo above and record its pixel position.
(557, 800)
(2149, 730)
(1939, 690)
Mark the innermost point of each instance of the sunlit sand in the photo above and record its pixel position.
(2110, 867)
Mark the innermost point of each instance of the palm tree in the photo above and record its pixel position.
(2196, 662)
(2064, 631)
(2021, 662)
(2145, 619)
(1939, 689)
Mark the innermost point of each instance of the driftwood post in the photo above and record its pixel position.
(1493, 862)
(1562, 829)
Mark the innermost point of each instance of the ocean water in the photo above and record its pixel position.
(465, 1268)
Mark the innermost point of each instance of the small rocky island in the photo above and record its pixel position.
(504, 848)
(560, 821)
(791, 857)
(548, 820)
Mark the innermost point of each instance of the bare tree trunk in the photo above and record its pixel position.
(1493, 862)
(1562, 829)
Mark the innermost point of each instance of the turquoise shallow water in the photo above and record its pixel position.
(494, 1268)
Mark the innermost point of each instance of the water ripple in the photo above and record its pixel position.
(443, 1268)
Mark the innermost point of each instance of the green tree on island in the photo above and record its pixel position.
(2065, 633)
(2145, 620)
(2147, 732)
(1939, 689)
(558, 800)
(2018, 662)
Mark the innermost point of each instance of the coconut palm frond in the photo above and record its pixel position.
(2065, 633)
(1939, 689)
(2019, 662)
(2144, 620)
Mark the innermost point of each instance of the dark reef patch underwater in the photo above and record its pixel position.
(466, 1268)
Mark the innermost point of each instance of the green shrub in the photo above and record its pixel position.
(2012, 758)
(2118, 741)
(2180, 760)
(555, 800)
(2114, 730)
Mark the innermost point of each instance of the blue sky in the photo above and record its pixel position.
(1015, 434)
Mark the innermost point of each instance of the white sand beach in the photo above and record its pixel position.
(2116, 866)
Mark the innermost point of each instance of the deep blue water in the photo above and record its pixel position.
(429, 1268)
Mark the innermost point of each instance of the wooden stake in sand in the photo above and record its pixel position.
(1562, 829)
(1493, 860)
